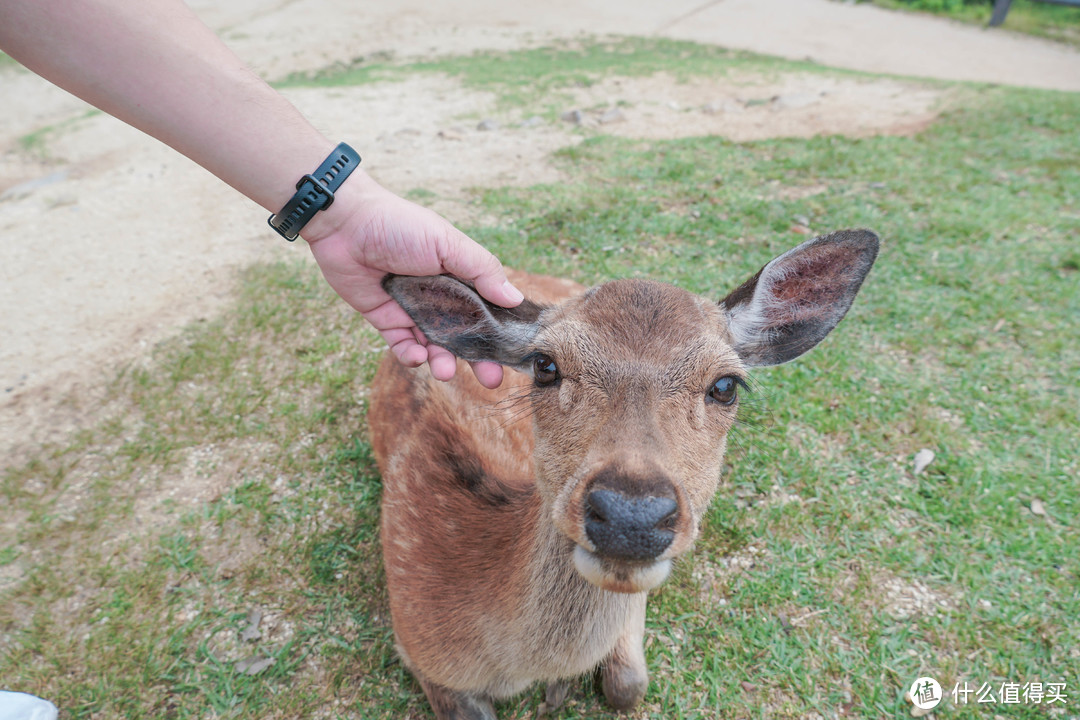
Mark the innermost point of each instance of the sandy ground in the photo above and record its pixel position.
(112, 241)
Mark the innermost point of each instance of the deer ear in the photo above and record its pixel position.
(798, 298)
(454, 316)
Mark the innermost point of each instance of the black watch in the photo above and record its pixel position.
(315, 192)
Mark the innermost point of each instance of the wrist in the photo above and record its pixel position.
(315, 192)
(351, 199)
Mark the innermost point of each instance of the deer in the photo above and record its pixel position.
(523, 527)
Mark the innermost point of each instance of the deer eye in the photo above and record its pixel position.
(725, 390)
(545, 371)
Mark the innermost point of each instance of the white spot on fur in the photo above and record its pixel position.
(641, 579)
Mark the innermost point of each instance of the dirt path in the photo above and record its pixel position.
(95, 266)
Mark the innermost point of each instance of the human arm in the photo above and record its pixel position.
(156, 66)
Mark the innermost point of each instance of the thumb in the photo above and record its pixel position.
(469, 260)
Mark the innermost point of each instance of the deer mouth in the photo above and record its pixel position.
(624, 538)
(621, 576)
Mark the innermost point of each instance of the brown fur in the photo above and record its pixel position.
(494, 581)
(623, 402)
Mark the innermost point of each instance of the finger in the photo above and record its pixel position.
(403, 337)
(470, 261)
(488, 374)
(409, 352)
(498, 289)
(389, 316)
(442, 362)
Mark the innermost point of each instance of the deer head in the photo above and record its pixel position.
(635, 385)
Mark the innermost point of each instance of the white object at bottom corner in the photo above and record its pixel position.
(20, 706)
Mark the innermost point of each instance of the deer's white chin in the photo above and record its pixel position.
(617, 576)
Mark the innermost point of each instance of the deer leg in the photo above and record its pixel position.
(456, 705)
(554, 696)
(623, 674)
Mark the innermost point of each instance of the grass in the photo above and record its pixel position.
(36, 144)
(540, 78)
(1054, 22)
(232, 471)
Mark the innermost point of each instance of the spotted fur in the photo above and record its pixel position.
(494, 582)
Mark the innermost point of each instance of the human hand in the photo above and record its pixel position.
(369, 232)
(366, 233)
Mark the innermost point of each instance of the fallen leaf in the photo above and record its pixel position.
(251, 633)
(1037, 507)
(923, 458)
(254, 664)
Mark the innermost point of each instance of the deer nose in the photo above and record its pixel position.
(629, 528)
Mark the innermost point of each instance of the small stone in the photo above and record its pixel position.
(487, 125)
(533, 121)
(1038, 508)
(614, 115)
(725, 106)
(573, 116)
(795, 101)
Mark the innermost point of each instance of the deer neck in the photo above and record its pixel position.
(557, 608)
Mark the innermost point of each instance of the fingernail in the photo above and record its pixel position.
(512, 293)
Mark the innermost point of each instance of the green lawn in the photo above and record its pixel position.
(828, 576)
(1060, 23)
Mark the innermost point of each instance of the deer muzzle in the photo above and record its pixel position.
(623, 527)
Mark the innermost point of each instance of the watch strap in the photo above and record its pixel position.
(315, 192)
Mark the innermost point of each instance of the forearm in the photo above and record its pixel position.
(156, 66)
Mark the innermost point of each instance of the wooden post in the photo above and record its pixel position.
(1001, 9)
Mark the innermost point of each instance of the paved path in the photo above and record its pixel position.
(98, 268)
(856, 36)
